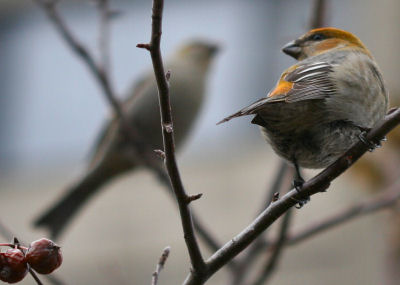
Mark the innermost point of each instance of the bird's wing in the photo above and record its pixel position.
(108, 130)
(303, 81)
(309, 81)
(138, 88)
(106, 135)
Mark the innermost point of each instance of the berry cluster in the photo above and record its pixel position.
(42, 255)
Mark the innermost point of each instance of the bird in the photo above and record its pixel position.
(112, 152)
(322, 104)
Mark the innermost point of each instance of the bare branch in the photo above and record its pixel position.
(256, 247)
(168, 140)
(160, 265)
(388, 199)
(104, 35)
(318, 16)
(277, 250)
(35, 277)
(99, 74)
(317, 184)
(277, 183)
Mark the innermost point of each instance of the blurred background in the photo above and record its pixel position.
(51, 110)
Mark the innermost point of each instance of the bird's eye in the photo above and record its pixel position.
(317, 37)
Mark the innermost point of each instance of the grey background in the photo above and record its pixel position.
(51, 110)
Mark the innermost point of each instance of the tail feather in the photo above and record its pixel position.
(238, 114)
(249, 110)
(62, 212)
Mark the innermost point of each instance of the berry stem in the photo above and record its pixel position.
(35, 276)
(14, 246)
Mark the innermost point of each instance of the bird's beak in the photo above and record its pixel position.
(293, 49)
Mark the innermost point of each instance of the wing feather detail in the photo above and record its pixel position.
(307, 81)
(310, 82)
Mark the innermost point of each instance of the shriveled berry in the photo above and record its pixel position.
(44, 256)
(13, 267)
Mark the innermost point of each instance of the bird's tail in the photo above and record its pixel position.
(63, 211)
(249, 110)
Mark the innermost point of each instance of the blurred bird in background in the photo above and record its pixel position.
(112, 154)
(323, 104)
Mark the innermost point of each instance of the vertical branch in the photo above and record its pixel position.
(168, 139)
(49, 6)
(104, 35)
(273, 260)
(276, 185)
(318, 16)
(259, 244)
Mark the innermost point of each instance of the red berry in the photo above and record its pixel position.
(44, 256)
(13, 267)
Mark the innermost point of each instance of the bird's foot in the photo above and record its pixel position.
(372, 145)
(298, 184)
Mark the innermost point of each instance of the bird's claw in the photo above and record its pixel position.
(372, 145)
(301, 203)
(298, 184)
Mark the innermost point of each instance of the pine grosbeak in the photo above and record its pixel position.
(321, 105)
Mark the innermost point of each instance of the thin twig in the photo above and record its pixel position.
(276, 185)
(16, 243)
(160, 265)
(254, 250)
(277, 251)
(388, 199)
(318, 16)
(209, 240)
(104, 35)
(203, 232)
(168, 139)
(33, 274)
(317, 184)
(49, 6)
